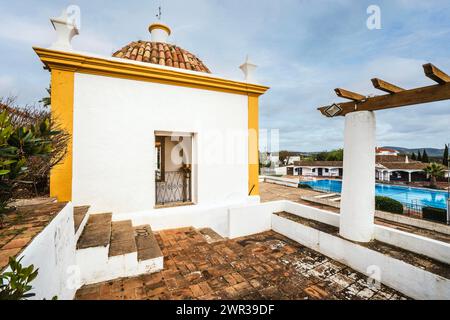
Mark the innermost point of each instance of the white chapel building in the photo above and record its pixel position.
(151, 126)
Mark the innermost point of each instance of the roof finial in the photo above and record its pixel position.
(66, 28)
(248, 69)
(159, 15)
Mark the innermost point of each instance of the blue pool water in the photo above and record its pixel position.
(406, 195)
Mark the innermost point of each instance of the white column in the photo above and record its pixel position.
(358, 188)
(409, 177)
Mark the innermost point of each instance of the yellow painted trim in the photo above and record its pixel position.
(62, 84)
(253, 154)
(154, 26)
(121, 68)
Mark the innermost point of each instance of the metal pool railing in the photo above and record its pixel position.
(412, 208)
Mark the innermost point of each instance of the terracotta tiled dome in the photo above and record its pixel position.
(163, 54)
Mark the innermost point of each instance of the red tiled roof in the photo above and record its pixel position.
(163, 54)
(404, 165)
(335, 164)
(390, 158)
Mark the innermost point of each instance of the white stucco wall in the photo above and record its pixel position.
(326, 171)
(53, 252)
(113, 141)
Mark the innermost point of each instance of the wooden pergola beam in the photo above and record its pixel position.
(435, 74)
(385, 86)
(349, 94)
(403, 98)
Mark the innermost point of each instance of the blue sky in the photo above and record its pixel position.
(304, 49)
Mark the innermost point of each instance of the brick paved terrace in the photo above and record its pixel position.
(20, 227)
(262, 266)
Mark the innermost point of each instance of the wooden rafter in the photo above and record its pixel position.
(435, 74)
(386, 86)
(397, 96)
(349, 94)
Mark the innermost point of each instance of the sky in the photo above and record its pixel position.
(303, 48)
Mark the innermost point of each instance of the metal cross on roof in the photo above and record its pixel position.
(159, 13)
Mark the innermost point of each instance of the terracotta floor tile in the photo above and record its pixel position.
(262, 266)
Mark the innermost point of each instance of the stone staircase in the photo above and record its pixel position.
(109, 249)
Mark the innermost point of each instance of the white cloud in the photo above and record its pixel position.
(18, 29)
(6, 86)
(304, 50)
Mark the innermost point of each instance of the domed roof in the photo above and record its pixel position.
(164, 54)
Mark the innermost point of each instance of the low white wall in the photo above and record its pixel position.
(431, 248)
(415, 222)
(281, 170)
(281, 181)
(180, 217)
(422, 245)
(252, 219)
(323, 201)
(215, 217)
(53, 252)
(308, 212)
(406, 278)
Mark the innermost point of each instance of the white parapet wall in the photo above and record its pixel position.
(415, 222)
(421, 245)
(395, 217)
(288, 182)
(428, 247)
(53, 252)
(215, 217)
(251, 219)
(406, 278)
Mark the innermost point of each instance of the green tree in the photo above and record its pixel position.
(333, 155)
(425, 158)
(284, 156)
(336, 155)
(419, 156)
(413, 156)
(445, 156)
(19, 144)
(321, 156)
(434, 171)
(46, 101)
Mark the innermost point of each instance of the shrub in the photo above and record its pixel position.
(388, 205)
(30, 145)
(434, 214)
(15, 284)
(304, 186)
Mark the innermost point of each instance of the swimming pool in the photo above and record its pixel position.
(406, 195)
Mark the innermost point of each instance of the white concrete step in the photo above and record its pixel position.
(108, 250)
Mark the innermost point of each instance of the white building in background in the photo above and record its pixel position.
(293, 159)
(379, 151)
(316, 169)
(388, 168)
